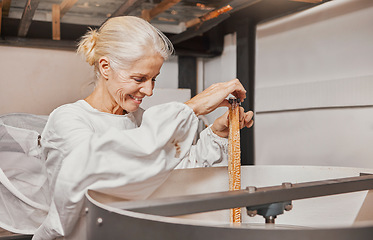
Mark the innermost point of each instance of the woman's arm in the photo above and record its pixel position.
(137, 160)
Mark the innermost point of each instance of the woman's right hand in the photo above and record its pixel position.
(215, 96)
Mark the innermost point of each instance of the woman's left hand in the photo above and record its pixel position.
(221, 125)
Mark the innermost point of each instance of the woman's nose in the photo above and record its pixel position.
(147, 87)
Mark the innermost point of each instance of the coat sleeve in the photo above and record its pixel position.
(137, 160)
(210, 150)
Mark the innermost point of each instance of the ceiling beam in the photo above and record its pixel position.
(208, 16)
(38, 43)
(127, 7)
(1, 13)
(27, 15)
(6, 7)
(56, 23)
(199, 30)
(65, 6)
(158, 9)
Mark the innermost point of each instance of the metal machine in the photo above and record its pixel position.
(325, 203)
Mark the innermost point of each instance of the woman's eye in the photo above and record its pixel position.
(138, 79)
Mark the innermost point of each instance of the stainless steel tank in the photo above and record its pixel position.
(342, 216)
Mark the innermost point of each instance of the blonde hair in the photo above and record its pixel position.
(123, 40)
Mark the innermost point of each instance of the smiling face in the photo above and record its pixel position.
(127, 88)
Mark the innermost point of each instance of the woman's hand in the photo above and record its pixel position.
(221, 124)
(215, 96)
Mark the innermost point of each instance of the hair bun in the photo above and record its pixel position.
(87, 45)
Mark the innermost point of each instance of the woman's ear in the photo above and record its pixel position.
(104, 67)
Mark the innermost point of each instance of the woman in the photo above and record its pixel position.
(107, 140)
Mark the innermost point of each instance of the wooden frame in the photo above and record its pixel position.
(1, 12)
(28, 14)
(56, 23)
(127, 7)
(65, 6)
(6, 7)
(158, 9)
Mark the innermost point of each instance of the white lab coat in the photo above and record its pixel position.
(89, 149)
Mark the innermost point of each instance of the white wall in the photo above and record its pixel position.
(169, 77)
(39, 80)
(314, 87)
(220, 69)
